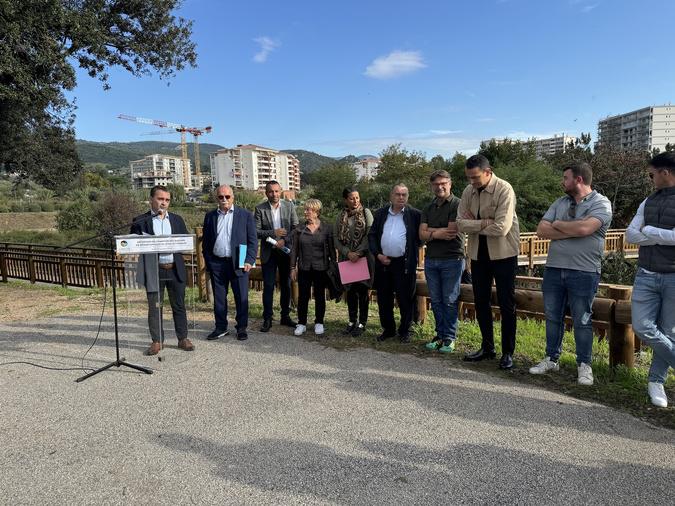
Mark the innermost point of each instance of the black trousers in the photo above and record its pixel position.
(306, 280)
(391, 280)
(357, 303)
(176, 290)
(281, 261)
(503, 272)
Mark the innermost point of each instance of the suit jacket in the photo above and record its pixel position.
(148, 263)
(265, 226)
(411, 219)
(243, 232)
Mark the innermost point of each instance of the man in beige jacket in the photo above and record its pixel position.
(487, 214)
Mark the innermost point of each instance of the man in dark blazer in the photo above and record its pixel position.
(277, 219)
(394, 241)
(169, 273)
(228, 230)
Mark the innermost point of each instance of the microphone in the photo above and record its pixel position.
(273, 242)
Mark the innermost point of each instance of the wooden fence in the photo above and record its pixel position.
(90, 267)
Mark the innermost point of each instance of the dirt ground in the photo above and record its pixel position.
(27, 221)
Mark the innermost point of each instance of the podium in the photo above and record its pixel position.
(149, 247)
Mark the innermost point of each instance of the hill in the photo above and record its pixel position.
(114, 155)
(310, 161)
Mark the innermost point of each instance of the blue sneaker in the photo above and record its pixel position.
(447, 347)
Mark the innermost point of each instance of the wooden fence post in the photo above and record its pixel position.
(64, 272)
(201, 267)
(3, 267)
(31, 268)
(621, 346)
(99, 273)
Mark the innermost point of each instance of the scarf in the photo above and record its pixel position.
(352, 238)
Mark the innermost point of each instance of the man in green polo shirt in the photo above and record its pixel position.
(444, 259)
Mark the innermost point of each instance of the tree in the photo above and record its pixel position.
(508, 152)
(329, 181)
(41, 40)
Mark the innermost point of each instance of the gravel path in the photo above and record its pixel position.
(280, 420)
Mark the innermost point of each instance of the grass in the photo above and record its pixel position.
(621, 388)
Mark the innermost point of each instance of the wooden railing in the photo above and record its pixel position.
(90, 267)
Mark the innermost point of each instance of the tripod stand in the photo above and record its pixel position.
(119, 362)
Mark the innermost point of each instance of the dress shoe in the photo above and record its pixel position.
(217, 334)
(479, 355)
(358, 330)
(186, 345)
(349, 329)
(288, 322)
(154, 349)
(242, 335)
(266, 326)
(384, 336)
(404, 338)
(506, 362)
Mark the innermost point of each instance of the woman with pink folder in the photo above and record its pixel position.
(351, 241)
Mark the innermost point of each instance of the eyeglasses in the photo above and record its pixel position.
(572, 211)
(224, 197)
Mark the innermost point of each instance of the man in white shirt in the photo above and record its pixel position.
(653, 298)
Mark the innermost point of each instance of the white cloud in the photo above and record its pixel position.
(267, 45)
(588, 8)
(485, 120)
(396, 63)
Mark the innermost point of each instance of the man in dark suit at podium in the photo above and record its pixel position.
(157, 272)
(228, 230)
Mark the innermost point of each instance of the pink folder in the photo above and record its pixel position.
(350, 272)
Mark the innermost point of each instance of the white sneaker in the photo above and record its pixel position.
(657, 394)
(585, 374)
(544, 366)
(318, 329)
(299, 329)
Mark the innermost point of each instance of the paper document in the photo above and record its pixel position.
(351, 272)
(242, 255)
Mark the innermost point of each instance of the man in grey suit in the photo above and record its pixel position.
(275, 218)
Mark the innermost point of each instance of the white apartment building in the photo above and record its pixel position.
(251, 167)
(644, 129)
(160, 170)
(366, 168)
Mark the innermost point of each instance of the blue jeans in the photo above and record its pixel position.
(653, 309)
(576, 288)
(443, 281)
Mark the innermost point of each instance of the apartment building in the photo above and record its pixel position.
(160, 170)
(648, 128)
(366, 168)
(250, 166)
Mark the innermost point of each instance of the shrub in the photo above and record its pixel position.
(47, 207)
(76, 216)
(34, 208)
(16, 206)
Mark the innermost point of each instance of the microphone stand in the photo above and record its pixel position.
(119, 361)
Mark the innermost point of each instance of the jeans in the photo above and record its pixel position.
(443, 281)
(653, 309)
(503, 272)
(563, 287)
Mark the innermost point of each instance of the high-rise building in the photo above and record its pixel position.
(366, 168)
(251, 167)
(646, 129)
(159, 170)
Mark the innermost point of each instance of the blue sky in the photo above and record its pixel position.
(352, 77)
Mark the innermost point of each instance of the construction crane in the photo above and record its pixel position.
(183, 130)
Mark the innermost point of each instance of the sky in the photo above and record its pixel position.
(353, 77)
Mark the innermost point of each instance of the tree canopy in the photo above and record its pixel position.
(41, 41)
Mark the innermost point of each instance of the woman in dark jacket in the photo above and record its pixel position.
(351, 241)
(310, 256)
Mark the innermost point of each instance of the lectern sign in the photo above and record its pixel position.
(140, 244)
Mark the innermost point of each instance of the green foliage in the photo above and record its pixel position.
(177, 192)
(248, 199)
(536, 187)
(76, 216)
(42, 40)
(617, 270)
(508, 152)
(328, 183)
